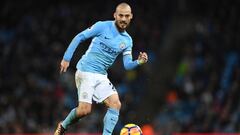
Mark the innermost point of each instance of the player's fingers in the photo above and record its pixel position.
(145, 58)
(140, 55)
(64, 69)
(145, 55)
(61, 70)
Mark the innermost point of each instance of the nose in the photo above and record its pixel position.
(123, 18)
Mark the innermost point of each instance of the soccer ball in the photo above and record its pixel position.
(131, 129)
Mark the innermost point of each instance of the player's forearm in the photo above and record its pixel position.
(129, 64)
(72, 47)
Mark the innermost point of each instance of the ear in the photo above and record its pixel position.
(115, 15)
(131, 16)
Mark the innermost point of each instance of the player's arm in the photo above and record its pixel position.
(88, 33)
(130, 64)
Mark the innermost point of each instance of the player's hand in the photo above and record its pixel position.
(142, 58)
(63, 66)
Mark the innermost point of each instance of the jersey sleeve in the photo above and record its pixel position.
(127, 58)
(92, 31)
(128, 50)
(129, 63)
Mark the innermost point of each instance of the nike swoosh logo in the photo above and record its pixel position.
(106, 38)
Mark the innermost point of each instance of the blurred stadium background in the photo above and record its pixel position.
(191, 83)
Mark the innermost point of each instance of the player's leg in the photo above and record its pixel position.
(106, 92)
(85, 94)
(77, 113)
(111, 117)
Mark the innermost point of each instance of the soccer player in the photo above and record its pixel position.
(109, 39)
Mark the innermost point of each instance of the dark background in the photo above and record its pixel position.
(190, 84)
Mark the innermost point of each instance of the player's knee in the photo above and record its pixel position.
(115, 104)
(83, 110)
(118, 105)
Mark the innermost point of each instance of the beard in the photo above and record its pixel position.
(121, 25)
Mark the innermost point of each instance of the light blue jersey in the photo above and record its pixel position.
(107, 43)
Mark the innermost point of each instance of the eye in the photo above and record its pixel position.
(120, 15)
(127, 16)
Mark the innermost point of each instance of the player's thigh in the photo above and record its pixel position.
(103, 90)
(85, 87)
(107, 93)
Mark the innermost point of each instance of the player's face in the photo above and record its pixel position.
(123, 17)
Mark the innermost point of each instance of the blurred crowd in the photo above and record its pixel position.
(201, 97)
(204, 93)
